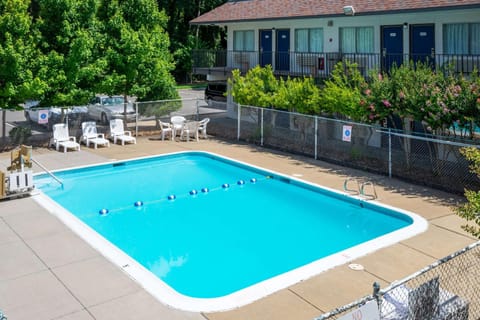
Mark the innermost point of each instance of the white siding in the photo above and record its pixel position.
(331, 34)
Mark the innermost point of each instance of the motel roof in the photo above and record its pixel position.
(254, 10)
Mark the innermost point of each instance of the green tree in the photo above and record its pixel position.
(17, 49)
(184, 38)
(470, 211)
(69, 63)
(135, 46)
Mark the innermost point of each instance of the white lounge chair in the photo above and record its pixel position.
(202, 127)
(189, 129)
(61, 138)
(165, 129)
(91, 136)
(177, 124)
(118, 132)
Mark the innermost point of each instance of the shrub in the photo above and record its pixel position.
(20, 135)
(470, 210)
(256, 88)
(298, 95)
(342, 93)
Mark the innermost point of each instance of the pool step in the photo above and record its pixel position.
(360, 189)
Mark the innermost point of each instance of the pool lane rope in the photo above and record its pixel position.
(193, 192)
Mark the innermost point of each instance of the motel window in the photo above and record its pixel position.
(243, 40)
(356, 40)
(309, 40)
(461, 38)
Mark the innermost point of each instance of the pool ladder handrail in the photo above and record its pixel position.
(351, 191)
(47, 171)
(361, 188)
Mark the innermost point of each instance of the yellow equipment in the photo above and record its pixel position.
(19, 180)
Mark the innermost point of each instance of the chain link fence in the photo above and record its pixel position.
(447, 289)
(415, 157)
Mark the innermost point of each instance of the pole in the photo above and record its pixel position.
(316, 137)
(239, 106)
(261, 127)
(389, 153)
(198, 108)
(136, 118)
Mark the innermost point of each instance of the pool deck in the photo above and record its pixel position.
(48, 272)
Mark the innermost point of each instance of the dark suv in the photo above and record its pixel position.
(216, 92)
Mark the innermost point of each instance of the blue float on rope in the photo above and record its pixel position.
(138, 203)
(253, 180)
(171, 197)
(205, 190)
(103, 211)
(225, 186)
(193, 192)
(240, 182)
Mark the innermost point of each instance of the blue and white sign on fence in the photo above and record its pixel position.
(42, 116)
(347, 133)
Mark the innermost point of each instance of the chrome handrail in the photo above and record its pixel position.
(47, 171)
(351, 191)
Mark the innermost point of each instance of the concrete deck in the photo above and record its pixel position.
(47, 272)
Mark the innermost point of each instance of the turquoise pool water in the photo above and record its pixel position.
(209, 227)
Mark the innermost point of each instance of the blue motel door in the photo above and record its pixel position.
(282, 61)
(392, 47)
(422, 43)
(266, 47)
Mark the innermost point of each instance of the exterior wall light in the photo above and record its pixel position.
(349, 10)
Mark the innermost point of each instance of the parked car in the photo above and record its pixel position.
(48, 116)
(216, 94)
(103, 108)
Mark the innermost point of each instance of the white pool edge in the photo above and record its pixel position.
(165, 294)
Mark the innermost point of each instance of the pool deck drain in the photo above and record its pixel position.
(356, 267)
(50, 273)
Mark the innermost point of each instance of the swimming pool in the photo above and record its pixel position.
(206, 233)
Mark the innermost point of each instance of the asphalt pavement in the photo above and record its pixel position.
(190, 99)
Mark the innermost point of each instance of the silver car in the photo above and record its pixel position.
(104, 108)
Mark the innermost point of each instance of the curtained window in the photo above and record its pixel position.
(243, 40)
(309, 40)
(461, 38)
(356, 40)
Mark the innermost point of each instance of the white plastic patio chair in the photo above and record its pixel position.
(177, 124)
(189, 129)
(91, 136)
(118, 132)
(202, 127)
(165, 129)
(62, 138)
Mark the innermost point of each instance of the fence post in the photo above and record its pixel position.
(198, 109)
(261, 127)
(316, 137)
(136, 119)
(238, 121)
(376, 295)
(389, 153)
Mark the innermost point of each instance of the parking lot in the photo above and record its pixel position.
(17, 118)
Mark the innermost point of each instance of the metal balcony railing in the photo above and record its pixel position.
(322, 64)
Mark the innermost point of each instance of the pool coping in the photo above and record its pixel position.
(169, 296)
